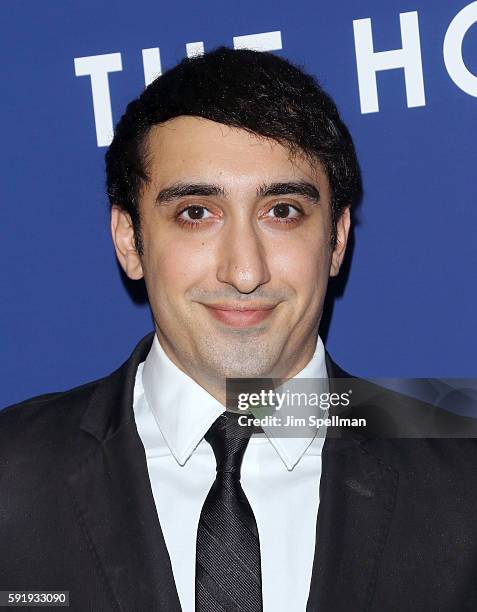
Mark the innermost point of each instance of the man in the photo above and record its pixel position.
(231, 181)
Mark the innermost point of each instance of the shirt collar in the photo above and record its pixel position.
(184, 411)
(291, 448)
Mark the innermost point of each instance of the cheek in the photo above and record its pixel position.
(303, 265)
(175, 265)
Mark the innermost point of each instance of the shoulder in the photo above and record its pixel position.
(59, 413)
(416, 429)
(424, 439)
(46, 401)
(46, 404)
(48, 427)
(38, 422)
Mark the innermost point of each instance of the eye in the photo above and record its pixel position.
(284, 211)
(194, 213)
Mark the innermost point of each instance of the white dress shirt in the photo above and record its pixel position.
(280, 477)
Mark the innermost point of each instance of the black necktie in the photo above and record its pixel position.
(228, 575)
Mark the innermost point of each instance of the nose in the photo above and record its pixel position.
(242, 258)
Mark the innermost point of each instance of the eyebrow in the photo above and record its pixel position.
(301, 188)
(181, 190)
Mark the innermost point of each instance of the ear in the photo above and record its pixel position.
(342, 231)
(122, 231)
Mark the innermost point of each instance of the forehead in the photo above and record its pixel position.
(195, 148)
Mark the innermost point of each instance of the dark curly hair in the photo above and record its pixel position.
(252, 90)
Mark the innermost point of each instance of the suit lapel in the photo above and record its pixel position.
(357, 496)
(112, 494)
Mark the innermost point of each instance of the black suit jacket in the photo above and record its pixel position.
(395, 528)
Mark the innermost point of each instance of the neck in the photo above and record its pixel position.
(216, 386)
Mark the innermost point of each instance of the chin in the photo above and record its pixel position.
(247, 369)
(239, 360)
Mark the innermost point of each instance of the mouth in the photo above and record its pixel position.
(240, 315)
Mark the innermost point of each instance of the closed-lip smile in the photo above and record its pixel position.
(240, 315)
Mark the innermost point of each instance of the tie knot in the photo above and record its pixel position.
(229, 441)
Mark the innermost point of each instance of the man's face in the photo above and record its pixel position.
(237, 254)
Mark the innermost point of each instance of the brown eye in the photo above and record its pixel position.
(196, 212)
(284, 211)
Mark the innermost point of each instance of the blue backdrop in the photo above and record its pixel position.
(407, 307)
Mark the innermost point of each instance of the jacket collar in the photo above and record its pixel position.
(111, 405)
